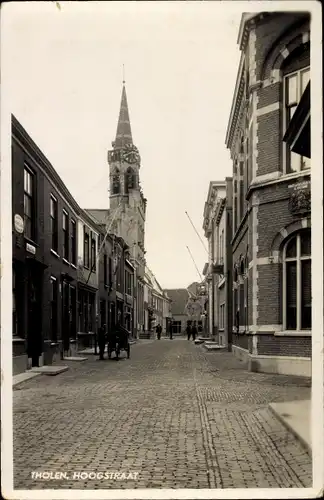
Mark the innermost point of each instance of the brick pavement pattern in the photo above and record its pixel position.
(179, 416)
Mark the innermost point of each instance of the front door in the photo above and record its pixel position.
(34, 313)
(66, 316)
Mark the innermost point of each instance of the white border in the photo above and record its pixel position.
(317, 274)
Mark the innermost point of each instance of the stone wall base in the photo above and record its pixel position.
(284, 365)
(19, 364)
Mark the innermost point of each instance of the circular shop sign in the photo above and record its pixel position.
(19, 223)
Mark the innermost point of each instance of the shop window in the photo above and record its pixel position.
(297, 279)
(294, 86)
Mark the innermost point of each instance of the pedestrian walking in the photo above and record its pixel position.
(170, 331)
(102, 341)
(158, 331)
(194, 331)
(188, 330)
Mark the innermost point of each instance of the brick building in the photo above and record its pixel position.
(218, 231)
(116, 276)
(271, 245)
(63, 287)
(45, 232)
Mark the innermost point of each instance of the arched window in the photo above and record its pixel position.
(129, 180)
(297, 282)
(116, 183)
(242, 144)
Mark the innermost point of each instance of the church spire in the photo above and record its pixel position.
(124, 132)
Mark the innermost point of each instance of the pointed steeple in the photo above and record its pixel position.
(124, 132)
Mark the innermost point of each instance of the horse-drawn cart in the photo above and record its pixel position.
(118, 341)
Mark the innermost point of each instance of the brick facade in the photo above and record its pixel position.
(49, 284)
(273, 45)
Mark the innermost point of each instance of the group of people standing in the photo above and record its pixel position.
(191, 330)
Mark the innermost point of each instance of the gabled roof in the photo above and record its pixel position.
(179, 298)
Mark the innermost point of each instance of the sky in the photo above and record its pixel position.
(64, 70)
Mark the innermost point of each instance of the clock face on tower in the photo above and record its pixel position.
(130, 154)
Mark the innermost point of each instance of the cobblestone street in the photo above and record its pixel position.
(179, 416)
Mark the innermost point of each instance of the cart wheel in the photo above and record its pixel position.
(117, 353)
(109, 354)
(128, 351)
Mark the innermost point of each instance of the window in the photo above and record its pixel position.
(129, 290)
(14, 306)
(105, 264)
(54, 290)
(222, 316)
(93, 255)
(242, 145)
(297, 280)
(176, 326)
(73, 242)
(235, 221)
(110, 271)
(54, 227)
(295, 84)
(65, 226)
(73, 303)
(86, 250)
(29, 204)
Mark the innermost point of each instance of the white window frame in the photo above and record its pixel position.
(298, 259)
(284, 118)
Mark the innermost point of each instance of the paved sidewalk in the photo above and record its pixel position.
(176, 414)
(296, 416)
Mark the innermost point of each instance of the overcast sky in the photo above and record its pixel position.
(64, 68)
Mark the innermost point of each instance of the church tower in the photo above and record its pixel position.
(127, 198)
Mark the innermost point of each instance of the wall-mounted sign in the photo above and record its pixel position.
(300, 198)
(19, 223)
(299, 185)
(30, 248)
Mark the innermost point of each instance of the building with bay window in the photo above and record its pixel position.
(271, 241)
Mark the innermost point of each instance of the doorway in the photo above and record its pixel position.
(34, 312)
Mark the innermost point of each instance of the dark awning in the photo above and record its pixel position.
(297, 135)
